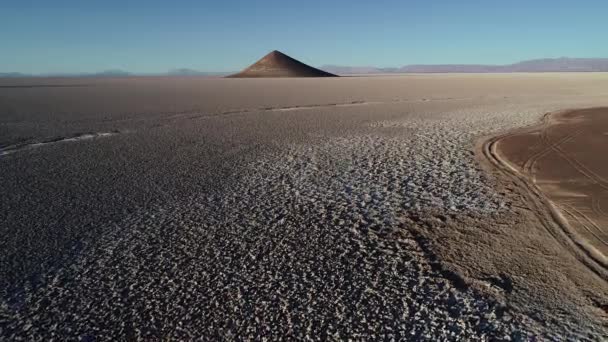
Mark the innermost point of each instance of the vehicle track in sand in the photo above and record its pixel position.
(597, 206)
(579, 216)
(550, 146)
(584, 220)
(554, 215)
(58, 140)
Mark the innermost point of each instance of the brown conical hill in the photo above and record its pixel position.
(278, 64)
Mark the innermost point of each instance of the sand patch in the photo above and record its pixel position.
(565, 158)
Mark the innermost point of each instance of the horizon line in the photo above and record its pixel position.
(185, 71)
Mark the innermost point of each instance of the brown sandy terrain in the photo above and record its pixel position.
(278, 64)
(565, 158)
(331, 208)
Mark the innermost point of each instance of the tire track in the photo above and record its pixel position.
(356, 103)
(76, 138)
(531, 163)
(528, 166)
(580, 218)
(582, 169)
(597, 207)
(549, 215)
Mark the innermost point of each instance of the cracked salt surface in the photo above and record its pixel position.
(308, 242)
(439, 166)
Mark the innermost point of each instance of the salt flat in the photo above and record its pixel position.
(245, 208)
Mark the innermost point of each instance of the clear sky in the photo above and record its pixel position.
(226, 35)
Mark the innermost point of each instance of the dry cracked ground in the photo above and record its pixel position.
(227, 209)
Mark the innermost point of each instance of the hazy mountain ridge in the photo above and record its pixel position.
(193, 72)
(563, 64)
(116, 73)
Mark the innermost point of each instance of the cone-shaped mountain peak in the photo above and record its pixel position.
(278, 64)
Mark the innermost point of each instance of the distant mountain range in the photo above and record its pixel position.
(192, 72)
(12, 74)
(563, 64)
(115, 73)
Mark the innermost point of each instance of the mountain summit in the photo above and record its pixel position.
(278, 64)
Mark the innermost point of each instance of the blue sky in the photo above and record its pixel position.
(226, 35)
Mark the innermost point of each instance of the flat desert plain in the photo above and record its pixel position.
(385, 207)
